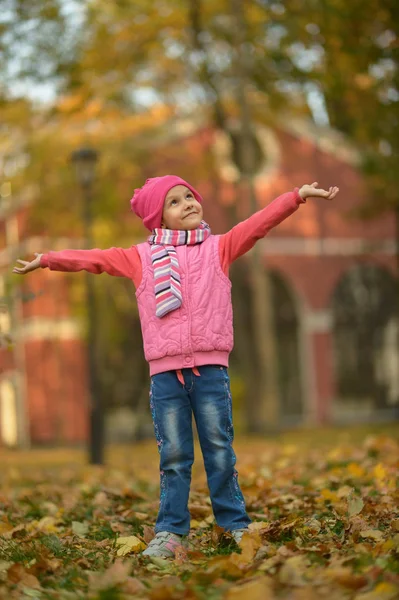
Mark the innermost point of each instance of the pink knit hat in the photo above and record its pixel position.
(148, 201)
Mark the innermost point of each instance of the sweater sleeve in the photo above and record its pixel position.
(119, 262)
(241, 238)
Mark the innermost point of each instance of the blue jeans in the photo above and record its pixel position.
(208, 397)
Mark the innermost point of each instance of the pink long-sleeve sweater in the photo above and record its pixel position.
(126, 262)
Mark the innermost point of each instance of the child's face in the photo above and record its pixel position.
(181, 210)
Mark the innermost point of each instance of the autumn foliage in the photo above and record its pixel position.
(325, 525)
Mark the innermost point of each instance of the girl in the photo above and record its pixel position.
(183, 294)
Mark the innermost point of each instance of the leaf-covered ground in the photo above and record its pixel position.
(325, 510)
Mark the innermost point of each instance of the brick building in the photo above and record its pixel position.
(334, 278)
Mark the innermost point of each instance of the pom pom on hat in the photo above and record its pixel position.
(147, 202)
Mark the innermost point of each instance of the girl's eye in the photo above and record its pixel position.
(173, 203)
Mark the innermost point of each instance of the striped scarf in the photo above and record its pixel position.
(167, 282)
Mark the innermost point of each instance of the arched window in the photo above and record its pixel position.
(365, 312)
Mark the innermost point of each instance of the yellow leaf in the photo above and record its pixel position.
(250, 544)
(195, 524)
(355, 505)
(380, 472)
(383, 591)
(46, 524)
(329, 495)
(386, 588)
(388, 545)
(258, 525)
(356, 470)
(129, 545)
(209, 519)
(374, 534)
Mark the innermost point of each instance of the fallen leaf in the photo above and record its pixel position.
(18, 574)
(258, 589)
(198, 511)
(355, 470)
(345, 577)
(140, 516)
(383, 591)
(250, 544)
(374, 534)
(80, 529)
(8, 535)
(258, 526)
(133, 586)
(160, 562)
(5, 565)
(180, 555)
(5, 527)
(312, 526)
(100, 499)
(355, 505)
(291, 572)
(148, 534)
(115, 575)
(344, 491)
(218, 533)
(195, 524)
(395, 524)
(129, 545)
(380, 472)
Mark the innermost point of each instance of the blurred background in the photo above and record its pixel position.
(245, 100)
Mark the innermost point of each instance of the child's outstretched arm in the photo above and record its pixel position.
(119, 262)
(241, 238)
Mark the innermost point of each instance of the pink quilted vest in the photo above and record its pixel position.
(200, 332)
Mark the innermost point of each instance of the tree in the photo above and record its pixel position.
(123, 70)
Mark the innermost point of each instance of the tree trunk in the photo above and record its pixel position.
(263, 410)
(256, 351)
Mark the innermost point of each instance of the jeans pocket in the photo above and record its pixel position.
(215, 372)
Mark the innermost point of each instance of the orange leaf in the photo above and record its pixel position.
(180, 555)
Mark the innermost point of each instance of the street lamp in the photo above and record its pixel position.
(84, 161)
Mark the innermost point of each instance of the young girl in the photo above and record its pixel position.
(183, 294)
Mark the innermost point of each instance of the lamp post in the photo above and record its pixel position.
(84, 160)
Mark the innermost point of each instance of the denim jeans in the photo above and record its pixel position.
(172, 405)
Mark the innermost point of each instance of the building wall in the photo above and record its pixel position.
(311, 250)
(43, 386)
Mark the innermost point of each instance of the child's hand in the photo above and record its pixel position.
(28, 266)
(308, 191)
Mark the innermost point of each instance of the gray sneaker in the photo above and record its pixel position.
(238, 533)
(163, 544)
